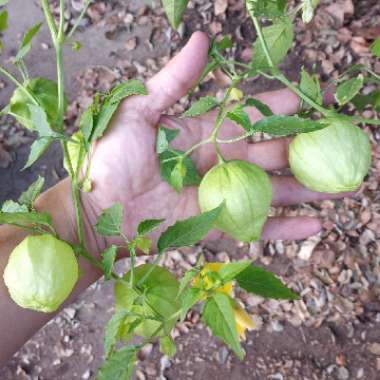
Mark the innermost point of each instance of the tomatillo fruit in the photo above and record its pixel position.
(41, 273)
(247, 192)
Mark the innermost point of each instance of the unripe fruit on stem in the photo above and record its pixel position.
(331, 160)
(247, 192)
(41, 273)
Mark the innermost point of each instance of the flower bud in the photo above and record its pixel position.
(331, 160)
(247, 192)
(41, 273)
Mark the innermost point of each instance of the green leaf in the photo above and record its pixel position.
(375, 47)
(113, 330)
(126, 89)
(30, 195)
(143, 243)
(178, 175)
(103, 119)
(347, 90)
(109, 222)
(167, 346)
(201, 106)
(164, 137)
(148, 225)
(192, 177)
(256, 280)
(3, 21)
(76, 149)
(261, 107)
(218, 314)
(86, 123)
(186, 279)
(174, 10)
(119, 366)
(12, 206)
(308, 7)
(189, 231)
(37, 149)
(108, 260)
(240, 117)
(229, 271)
(26, 42)
(25, 219)
(40, 121)
(286, 125)
(266, 8)
(362, 101)
(160, 288)
(189, 298)
(279, 39)
(310, 86)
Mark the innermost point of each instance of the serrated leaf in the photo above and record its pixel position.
(229, 271)
(110, 221)
(310, 86)
(286, 125)
(279, 39)
(164, 137)
(240, 117)
(148, 225)
(260, 106)
(119, 366)
(103, 119)
(192, 177)
(267, 8)
(189, 231)
(258, 281)
(347, 90)
(37, 149)
(201, 106)
(178, 175)
(108, 260)
(143, 243)
(30, 195)
(12, 206)
(3, 21)
(167, 346)
(375, 47)
(174, 10)
(40, 121)
(23, 219)
(113, 330)
(189, 298)
(126, 89)
(86, 123)
(26, 42)
(218, 314)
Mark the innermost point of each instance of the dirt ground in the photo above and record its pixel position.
(334, 332)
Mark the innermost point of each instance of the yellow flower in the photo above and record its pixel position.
(208, 282)
(243, 321)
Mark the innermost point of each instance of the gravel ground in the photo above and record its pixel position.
(333, 332)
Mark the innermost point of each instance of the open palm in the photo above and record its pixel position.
(125, 167)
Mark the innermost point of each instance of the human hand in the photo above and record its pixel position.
(125, 166)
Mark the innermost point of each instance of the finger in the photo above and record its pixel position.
(287, 191)
(271, 154)
(292, 228)
(179, 75)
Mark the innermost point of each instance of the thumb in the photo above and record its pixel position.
(179, 75)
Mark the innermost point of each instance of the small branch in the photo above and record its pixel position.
(79, 19)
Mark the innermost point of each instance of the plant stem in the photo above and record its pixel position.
(13, 79)
(280, 77)
(50, 20)
(79, 19)
(236, 139)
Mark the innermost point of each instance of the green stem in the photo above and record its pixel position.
(13, 79)
(236, 139)
(279, 76)
(79, 19)
(50, 20)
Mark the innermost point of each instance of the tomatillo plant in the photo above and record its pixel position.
(329, 153)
